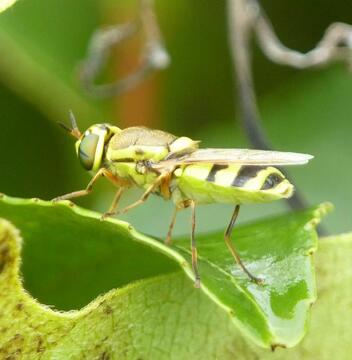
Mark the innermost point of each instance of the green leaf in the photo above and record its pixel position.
(164, 317)
(66, 237)
(144, 320)
(277, 250)
(5, 4)
(37, 49)
(330, 329)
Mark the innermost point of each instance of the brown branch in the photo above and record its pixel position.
(154, 55)
(336, 45)
(240, 26)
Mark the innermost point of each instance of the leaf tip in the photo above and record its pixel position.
(319, 212)
(324, 209)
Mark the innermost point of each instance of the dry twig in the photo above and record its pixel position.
(246, 17)
(154, 55)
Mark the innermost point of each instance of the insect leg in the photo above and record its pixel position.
(193, 246)
(84, 192)
(112, 209)
(145, 196)
(171, 226)
(232, 247)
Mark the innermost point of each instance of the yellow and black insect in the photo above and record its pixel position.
(176, 169)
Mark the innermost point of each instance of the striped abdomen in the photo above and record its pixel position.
(207, 183)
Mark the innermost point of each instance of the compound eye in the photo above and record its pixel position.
(87, 150)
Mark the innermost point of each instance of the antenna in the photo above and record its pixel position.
(74, 131)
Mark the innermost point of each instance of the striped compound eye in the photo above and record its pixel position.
(90, 147)
(87, 150)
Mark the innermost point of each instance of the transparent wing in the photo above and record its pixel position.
(238, 156)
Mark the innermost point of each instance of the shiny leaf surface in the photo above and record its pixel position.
(75, 247)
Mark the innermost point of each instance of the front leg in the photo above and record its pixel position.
(86, 191)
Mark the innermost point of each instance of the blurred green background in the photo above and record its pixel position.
(42, 43)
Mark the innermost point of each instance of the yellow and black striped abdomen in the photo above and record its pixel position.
(246, 177)
(207, 183)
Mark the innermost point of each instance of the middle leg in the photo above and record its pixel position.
(145, 196)
(112, 210)
(193, 246)
(171, 226)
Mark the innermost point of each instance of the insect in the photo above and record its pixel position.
(178, 170)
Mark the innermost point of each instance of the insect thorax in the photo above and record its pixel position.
(129, 149)
(140, 143)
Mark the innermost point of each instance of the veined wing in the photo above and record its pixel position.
(238, 156)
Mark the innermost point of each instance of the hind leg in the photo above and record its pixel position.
(232, 248)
